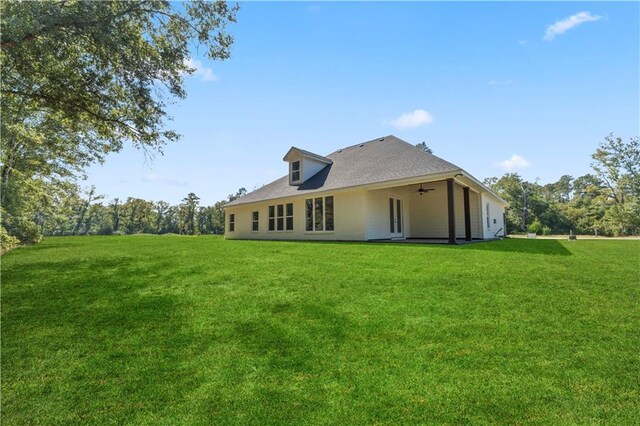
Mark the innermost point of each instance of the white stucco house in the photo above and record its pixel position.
(377, 190)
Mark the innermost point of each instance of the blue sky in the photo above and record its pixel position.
(501, 87)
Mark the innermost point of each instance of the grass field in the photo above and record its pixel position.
(198, 330)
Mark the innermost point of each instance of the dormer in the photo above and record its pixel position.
(303, 165)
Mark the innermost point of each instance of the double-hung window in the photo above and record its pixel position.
(319, 214)
(272, 218)
(281, 217)
(289, 216)
(295, 171)
(232, 222)
(255, 223)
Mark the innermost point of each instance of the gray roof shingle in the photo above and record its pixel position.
(376, 161)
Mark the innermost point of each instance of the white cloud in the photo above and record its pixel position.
(500, 82)
(566, 24)
(413, 119)
(516, 162)
(205, 73)
(522, 42)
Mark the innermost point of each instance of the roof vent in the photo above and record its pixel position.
(339, 151)
(361, 145)
(381, 139)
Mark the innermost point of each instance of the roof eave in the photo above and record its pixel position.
(293, 150)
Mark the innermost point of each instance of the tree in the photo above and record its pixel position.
(83, 208)
(139, 216)
(560, 191)
(188, 210)
(585, 210)
(217, 217)
(423, 146)
(238, 194)
(114, 210)
(161, 210)
(617, 164)
(80, 78)
(205, 219)
(514, 190)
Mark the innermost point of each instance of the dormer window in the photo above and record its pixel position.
(303, 165)
(295, 171)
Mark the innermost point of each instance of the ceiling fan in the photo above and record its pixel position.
(423, 191)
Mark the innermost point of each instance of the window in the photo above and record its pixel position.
(255, 224)
(319, 214)
(488, 220)
(308, 214)
(272, 218)
(289, 217)
(232, 222)
(318, 217)
(281, 217)
(295, 171)
(328, 213)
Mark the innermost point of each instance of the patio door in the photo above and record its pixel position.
(395, 218)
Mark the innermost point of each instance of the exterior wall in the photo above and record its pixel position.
(475, 209)
(496, 217)
(377, 212)
(348, 210)
(364, 215)
(311, 167)
(430, 212)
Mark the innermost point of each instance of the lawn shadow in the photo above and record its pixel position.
(97, 334)
(548, 247)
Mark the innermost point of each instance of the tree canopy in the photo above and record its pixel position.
(423, 146)
(607, 201)
(82, 78)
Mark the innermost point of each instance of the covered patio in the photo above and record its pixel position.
(445, 211)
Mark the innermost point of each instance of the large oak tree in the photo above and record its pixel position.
(82, 78)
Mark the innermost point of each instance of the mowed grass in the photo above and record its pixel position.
(199, 330)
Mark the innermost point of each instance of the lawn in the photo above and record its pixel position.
(198, 330)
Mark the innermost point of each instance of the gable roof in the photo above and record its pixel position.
(376, 161)
(307, 154)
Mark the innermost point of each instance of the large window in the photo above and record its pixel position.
(319, 214)
(281, 217)
(255, 223)
(295, 171)
(232, 222)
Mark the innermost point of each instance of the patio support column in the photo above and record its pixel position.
(467, 215)
(451, 212)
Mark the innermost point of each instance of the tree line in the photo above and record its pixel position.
(605, 202)
(83, 212)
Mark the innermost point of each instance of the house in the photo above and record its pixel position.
(382, 189)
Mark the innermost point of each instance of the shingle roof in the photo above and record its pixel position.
(376, 161)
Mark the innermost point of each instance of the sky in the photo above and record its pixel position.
(529, 88)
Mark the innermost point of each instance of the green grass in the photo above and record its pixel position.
(198, 330)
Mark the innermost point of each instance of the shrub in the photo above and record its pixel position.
(546, 230)
(7, 242)
(535, 227)
(24, 230)
(27, 232)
